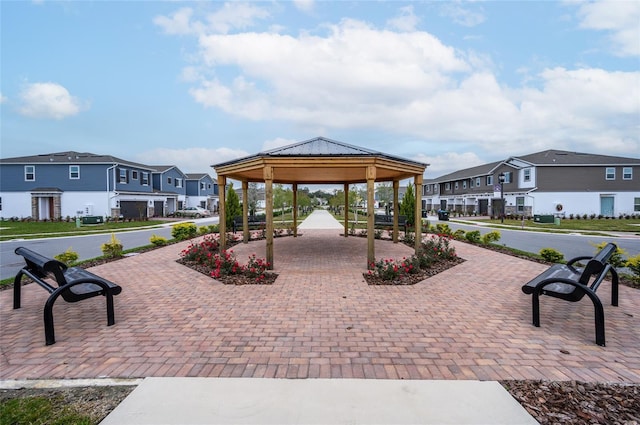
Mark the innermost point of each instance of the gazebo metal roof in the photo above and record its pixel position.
(321, 161)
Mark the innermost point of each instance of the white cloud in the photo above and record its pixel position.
(3, 98)
(407, 21)
(278, 142)
(190, 160)
(410, 83)
(49, 100)
(465, 16)
(230, 16)
(304, 5)
(620, 18)
(449, 162)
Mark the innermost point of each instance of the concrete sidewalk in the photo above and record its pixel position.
(316, 401)
(320, 219)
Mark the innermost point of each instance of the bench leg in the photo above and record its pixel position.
(49, 333)
(17, 290)
(536, 309)
(614, 287)
(110, 314)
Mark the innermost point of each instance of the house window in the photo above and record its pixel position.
(447, 186)
(489, 180)
(202, 185)
(520, 204)
(610, 173)
(627, 173)
(456, 186)
(145, 179)
(74, 172)
(636, 204)
(29, 173)
(464, 184)
(508, 177)
(478, 182)
(527, 174)
(124, 175)
(178, 182)
(168, 180)
(134, 175)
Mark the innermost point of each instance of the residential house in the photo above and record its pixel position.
(71, 184)
(551, 182)
(202, 191)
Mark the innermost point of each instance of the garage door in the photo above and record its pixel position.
(134, 209)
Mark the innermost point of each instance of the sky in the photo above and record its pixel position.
(451, 84)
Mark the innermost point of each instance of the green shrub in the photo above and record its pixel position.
(551, 255)
(68, 257)
(633, 263)
(182, 231)
(157, 240)
(617, 259)
(443, 229)
(473, 236)
(491, 237)
(113, 248)
(459, 234)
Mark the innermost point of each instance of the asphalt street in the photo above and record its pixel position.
(88, 246)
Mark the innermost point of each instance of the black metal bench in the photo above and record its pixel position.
(74, 284)
(571, 283)
(386, 221)
(254, 222)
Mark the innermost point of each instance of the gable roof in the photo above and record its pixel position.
(559, 157)
(72, 157)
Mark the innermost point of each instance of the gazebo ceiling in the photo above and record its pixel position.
(320, 161)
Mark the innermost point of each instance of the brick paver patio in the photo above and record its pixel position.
(321, 320)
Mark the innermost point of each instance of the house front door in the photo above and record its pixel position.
(606, 206)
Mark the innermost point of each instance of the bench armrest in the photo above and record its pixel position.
(576, 259)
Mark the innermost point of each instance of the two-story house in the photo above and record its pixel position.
(202, 191)
(548, 182)
(71, 184)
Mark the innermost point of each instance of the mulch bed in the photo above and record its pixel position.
(413, 278)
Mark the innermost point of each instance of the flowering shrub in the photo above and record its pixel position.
(256, 267)
(438, 248)
(182, 231)
(202, 252)
(633, 263)
(225, 264)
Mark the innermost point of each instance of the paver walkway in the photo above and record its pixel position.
(321, 320)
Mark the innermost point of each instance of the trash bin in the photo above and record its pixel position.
(92, 219)
(443, 215)
(538, 218)
(424, 214)
(556, 221)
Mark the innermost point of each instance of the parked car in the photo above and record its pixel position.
(194, 212)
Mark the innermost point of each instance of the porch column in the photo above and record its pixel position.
(245, 211)
(222, 216)
(268, 194)
(371, 178)
(417, 184)
(346, 210)
(396, 209)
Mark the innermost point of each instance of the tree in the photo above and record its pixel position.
(385, 194)
(252, 194)
(408, 205)
(232, 206)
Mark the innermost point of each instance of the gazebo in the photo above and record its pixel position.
(319, 161)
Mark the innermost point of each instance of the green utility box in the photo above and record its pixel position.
(537, 218)
(92, 219)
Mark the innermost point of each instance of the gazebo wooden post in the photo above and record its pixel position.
(222, 227)
(295, 209)
(346, 210)
(371, 179)
(396, 209)
(245, 211)
(418, 211)
(268, 193)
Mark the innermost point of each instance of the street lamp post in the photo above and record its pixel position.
(501, 177)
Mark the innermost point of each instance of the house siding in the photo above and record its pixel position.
(585, 179)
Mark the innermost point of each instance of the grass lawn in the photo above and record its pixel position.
(595, 225)
(33, 229)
